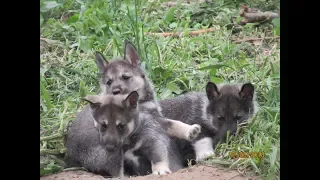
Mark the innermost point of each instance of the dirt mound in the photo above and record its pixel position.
(199, 172)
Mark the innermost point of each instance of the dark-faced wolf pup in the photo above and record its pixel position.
(218, 110)
(146, 146)
(119, 76)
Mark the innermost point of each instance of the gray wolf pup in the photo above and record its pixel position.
(218, 110)
(146, 146)
(84, 148)
(125, 75)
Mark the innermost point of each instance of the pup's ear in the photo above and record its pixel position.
(211, 90)
(247, 91)
(94, 100)
(132, 100)
(101, 62)
(131, 54)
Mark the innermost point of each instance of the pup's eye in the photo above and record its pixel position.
(120, 126)
(238, 118)
(125, 77)
(109, 81)
(104, 125)
(220, 118)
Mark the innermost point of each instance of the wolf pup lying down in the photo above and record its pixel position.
(120, 76)
(146, 146)
(218, 110)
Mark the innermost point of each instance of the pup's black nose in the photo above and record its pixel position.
(116, 91)
(234, 133)
(110, 147)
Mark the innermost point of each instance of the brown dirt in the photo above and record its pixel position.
(199, 172)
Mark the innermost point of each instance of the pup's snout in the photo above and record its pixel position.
(110, 147)
(116, 91)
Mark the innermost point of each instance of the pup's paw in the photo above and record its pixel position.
(193, 132)
(161, 168)
(161, 171)
(203, 156)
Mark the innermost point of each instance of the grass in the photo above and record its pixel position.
(175, 65)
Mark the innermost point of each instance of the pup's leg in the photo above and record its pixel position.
(203, 148)
(159, 158)
(180, 130)
(161, 168)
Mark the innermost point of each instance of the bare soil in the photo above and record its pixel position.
(198, 172)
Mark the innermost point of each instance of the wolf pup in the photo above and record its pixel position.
(121, 76)
(85, 150)
(125, 75)
(147, 147)
(218, 110)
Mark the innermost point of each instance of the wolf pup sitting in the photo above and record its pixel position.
(217, 111)
(123, 76)
(146, 146)
(120, 76)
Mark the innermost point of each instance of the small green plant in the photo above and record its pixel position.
(276, 29)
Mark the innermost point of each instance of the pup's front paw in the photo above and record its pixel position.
(193, 132)
(161, 168)
(204, 156)
(161, 171)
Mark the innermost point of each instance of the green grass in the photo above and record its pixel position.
(175, 65)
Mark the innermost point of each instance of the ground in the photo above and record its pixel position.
(198, 172)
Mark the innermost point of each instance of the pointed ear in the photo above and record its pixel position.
(101, 62)
(131, 53)
(132, 100)
(211, 90)
(247, 91)
(94, 100)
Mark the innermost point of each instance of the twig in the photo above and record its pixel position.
(252, 15)
(48, 40)
(75, 169)
(255, 39)
(62, 15)
(170, 4)
(192, 33)
(50, 151)
(273, 48)
(54, 136)
(61, 128)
